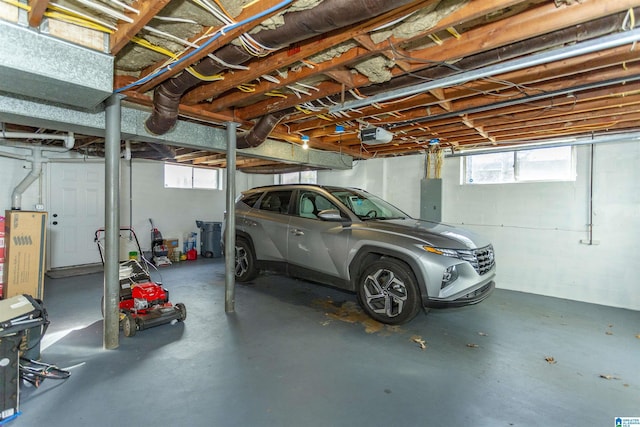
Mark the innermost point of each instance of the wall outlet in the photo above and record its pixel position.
(39, 207)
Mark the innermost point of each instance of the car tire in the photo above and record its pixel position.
(387, 291)
(245, 261)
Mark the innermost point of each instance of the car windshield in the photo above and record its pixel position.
(367, 206)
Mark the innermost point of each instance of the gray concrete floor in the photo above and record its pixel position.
(298, 354)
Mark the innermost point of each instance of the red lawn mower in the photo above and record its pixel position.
(143, 302)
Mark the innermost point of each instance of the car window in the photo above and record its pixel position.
(250, 199)
(367, 206)
(276, 201)
(310, 204)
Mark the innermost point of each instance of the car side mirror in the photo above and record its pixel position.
(331, 215)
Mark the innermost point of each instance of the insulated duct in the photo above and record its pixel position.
(260, 131)
(326, 16)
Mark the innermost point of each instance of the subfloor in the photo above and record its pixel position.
(298, 354)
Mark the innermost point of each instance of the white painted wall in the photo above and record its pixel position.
(174, 211)
(536, 228)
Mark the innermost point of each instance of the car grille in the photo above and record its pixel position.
(482, 259)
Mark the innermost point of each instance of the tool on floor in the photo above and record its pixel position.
(159, 250)
(143, 302)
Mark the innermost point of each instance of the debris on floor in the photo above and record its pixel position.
(350, 312)
(418, 339)
(471, 345)
(550, 360)
(483, 334)
(608, 377)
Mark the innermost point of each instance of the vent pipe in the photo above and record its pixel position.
(36, 170)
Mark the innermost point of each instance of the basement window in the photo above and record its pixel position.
(179, 176)
(303, 177)
(537, 165)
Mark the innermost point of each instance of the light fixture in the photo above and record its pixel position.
(305, 142)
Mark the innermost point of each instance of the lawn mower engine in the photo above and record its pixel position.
(147, 306)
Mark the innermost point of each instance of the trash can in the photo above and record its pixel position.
(210, 239)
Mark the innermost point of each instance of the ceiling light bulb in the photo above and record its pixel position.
(305, 142)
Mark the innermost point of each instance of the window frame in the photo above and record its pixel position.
(218, 177)
(517, 167)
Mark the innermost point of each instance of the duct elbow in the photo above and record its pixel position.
(260, 131)
(165, 111)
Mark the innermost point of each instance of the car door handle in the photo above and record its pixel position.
(297, 232)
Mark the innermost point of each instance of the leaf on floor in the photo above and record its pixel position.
(608, 377)
(550, 360)
(472, 345)
(418, 340)
(638, 336)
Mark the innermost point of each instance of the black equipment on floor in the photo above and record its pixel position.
(23, 322)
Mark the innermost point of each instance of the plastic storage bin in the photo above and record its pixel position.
(210, 239)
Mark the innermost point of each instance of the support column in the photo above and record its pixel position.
(111, 329)
(230, 235)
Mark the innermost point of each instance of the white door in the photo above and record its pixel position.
(76, 211)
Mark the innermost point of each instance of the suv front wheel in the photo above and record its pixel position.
(245, 261)
(387, 291)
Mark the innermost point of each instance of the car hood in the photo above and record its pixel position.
(432, 233)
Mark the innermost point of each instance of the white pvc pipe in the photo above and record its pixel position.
(36, 169)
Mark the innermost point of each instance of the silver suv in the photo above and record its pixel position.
(356, 241)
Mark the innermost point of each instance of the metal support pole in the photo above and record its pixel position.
(111, 329)
(230, 235)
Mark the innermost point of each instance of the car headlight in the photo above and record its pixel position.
(440, 251)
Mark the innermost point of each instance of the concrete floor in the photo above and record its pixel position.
(298, 354)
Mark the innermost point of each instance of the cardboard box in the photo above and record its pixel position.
(25, 244)
(172, 245)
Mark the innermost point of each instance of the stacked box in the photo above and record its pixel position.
(24, 263)
(172, 246)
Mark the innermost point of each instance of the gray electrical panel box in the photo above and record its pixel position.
(431, 199)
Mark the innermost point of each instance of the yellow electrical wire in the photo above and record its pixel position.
(247, 87)
(275, 93)
(304, 110)
(250, 4)
(159, 49)
(324, 117)
(202, 77)
(78, 21)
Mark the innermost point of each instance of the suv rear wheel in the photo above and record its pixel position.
(245, 261)
(388, 292)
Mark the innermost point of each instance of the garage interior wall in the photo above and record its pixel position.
(536, 228)
(173, 210)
